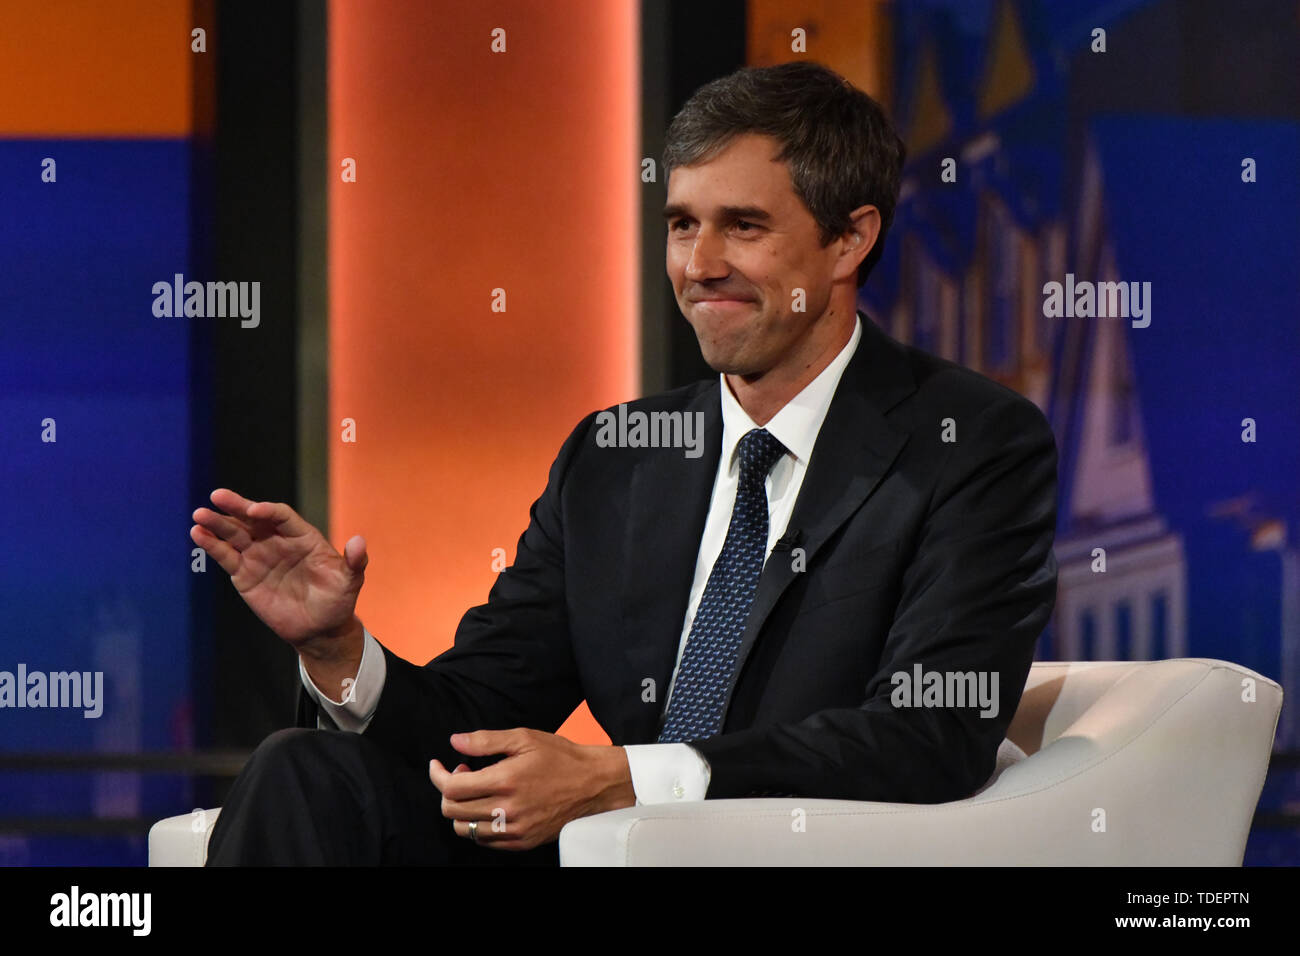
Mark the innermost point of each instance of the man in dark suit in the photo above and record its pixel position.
(821, 574)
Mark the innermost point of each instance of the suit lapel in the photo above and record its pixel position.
(668, 502)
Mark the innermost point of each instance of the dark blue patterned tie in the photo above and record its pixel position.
(699, 696)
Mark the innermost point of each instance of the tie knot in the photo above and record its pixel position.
(759, 451)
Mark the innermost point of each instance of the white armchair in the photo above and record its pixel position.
(1127, 763)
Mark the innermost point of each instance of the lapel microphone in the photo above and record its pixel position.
(787, 541)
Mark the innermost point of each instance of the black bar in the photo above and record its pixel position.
(213, 763)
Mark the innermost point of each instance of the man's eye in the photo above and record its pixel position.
(747, 226)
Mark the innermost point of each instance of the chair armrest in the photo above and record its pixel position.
(183, 840)
(798, 832)
(1165, 769)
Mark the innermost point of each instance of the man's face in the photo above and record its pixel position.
(739, 235)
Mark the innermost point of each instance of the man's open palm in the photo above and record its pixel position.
(285, 570)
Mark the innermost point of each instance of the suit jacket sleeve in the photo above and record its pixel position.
(975, 597)
(511, 664)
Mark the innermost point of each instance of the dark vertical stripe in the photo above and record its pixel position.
(705, 42)
(255, 229)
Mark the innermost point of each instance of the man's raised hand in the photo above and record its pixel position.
(284, 569)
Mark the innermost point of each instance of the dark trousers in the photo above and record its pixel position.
(332, 798)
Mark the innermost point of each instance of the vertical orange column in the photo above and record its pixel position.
(475, 171)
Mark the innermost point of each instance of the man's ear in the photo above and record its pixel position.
(858, 240)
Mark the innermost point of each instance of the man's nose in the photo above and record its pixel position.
(706, 261)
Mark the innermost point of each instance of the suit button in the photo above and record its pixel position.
(678, 790)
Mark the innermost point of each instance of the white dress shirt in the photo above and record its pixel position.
(664, 773)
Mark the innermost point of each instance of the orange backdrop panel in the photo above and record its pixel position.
(851, 37)
(475, 171)
(88, 68)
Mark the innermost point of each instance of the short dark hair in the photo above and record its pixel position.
(840, 146)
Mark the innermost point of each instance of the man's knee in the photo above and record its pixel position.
(299, 747)
(301, 797)
(299, 739)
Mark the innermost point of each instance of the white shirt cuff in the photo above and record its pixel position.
(667, 773)
(360, 698)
